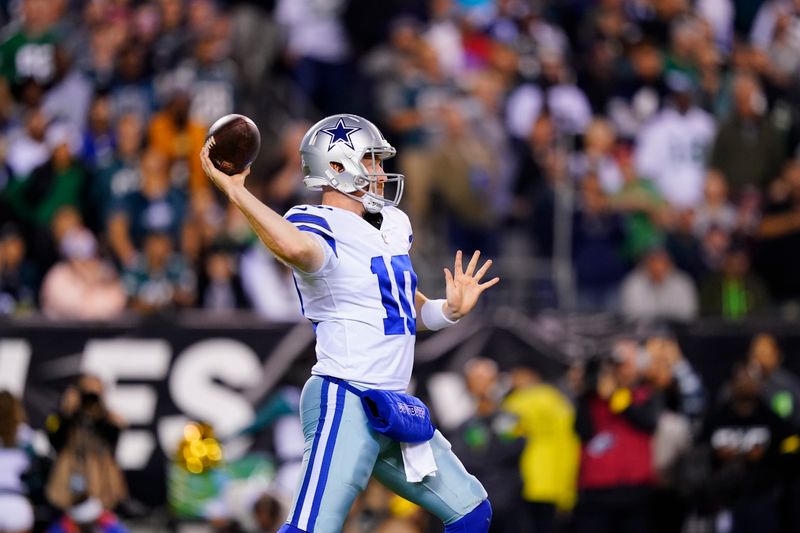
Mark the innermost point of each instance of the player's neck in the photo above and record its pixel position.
(334, 198)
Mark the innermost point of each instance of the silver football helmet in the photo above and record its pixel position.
(332, 153)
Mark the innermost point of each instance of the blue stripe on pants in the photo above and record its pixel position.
(326, 458)
(318, 433)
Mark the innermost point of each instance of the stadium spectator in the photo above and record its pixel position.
(777, 257)
(671, 150)
(464, 173)
(84, 434)
(597, 238)
(597, 157)
(159, 280)
(556, 93)
(749, 148)
(639, 95)
(487, 447)
(673, 436)
(772, 18)
(212, 79)
(616, 418)
(549, 462)
(131, 89)
(780, 388)
(97, 57)
(27, 148)
(410, 97)
(541, 166)
(715, 210)
(82, 286)
(60, 182)
(693, 254)
(172, 39)
(99, 139)
(680, 384)
(116, 173)
(155, 206)
(644, 210)
(70, 96)
(28, 52)
(656, 290)
(179, 137)
(318, 52)
(745, 438)
(16, 513)
(18, 276)
(734, 292)
(220, 288)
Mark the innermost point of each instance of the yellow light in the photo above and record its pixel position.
(214, 452)
(191, 432)
(194, 465)
(198, 448)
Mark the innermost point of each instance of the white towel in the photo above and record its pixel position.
(418, 461)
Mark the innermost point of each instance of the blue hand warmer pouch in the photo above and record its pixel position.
(399, 416)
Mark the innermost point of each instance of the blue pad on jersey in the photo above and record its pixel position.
(476, 521)
(399, 416)
(289, 528)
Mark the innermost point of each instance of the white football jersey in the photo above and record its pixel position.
(361, 301)
(672, 151)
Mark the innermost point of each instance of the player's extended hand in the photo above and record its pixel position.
(217, 177)
(464, 286)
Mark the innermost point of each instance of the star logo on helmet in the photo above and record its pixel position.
(340, 134)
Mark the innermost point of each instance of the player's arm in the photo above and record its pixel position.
(463, 288)
(282, 238)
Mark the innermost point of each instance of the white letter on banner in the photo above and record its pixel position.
(130, 359)
(15, 356)
(194, 391)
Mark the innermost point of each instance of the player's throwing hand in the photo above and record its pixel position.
(464, 286)
(219, 178)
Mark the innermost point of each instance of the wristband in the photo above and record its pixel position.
(432, 315)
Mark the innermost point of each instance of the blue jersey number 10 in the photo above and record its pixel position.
(395, 323)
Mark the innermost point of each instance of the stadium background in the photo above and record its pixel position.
(544, 133)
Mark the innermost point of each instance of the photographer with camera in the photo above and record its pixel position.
(84, 433)
(616, 417)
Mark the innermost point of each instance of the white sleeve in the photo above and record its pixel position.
(317, 225)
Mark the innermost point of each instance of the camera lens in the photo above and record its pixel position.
(89, 399)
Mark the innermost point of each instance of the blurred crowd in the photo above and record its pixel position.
(631, 440)
(652, 144)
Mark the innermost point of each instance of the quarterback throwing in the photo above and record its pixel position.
(349, 257)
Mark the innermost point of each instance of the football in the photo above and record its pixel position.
(235, 145)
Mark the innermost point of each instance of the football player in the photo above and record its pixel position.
(357, 286)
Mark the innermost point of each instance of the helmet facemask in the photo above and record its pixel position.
(373, 189)
(340, 165)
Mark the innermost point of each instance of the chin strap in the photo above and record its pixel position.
(372, 204)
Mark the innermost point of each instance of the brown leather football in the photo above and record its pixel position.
(235, 145)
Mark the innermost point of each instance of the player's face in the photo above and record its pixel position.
(374, 167)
